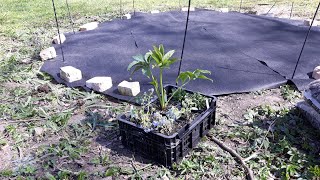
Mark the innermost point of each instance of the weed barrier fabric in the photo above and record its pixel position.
(244, 52)
(273, 41)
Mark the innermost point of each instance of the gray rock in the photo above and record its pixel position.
(311, 106)
(310, 114)
(309, 21)
(313, 92)
(253, 12)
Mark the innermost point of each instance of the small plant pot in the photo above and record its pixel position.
(167, 149)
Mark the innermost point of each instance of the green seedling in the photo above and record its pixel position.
(158, 59)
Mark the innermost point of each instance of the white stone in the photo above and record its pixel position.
(99, 84)
(26, 61)
(129, 88)
(56, 39)
(165, 177)
(186, 9)
(2, 129)
(48, 53)
(70, 74)
(155, 12)
(309, 21)
(224, 10)
(127, 16)
(316, 73)
(89, 26)
(38, 131)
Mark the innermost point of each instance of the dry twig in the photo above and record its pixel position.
(20, 121)
(237, 157)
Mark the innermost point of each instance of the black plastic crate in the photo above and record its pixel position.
(164, 149)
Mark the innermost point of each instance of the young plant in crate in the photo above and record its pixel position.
(176, 115)
(161, 60)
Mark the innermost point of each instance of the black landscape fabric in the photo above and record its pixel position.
(244, 52)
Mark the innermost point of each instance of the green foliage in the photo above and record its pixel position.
(95, 119)
(9, 65)
(82, 175)
(11, 70)
(59, 121)
(68, 148)
(185, 77)
(3, 142)
(289, 171)
(112, 171)
(154, 59)
(250, 115)
(289, 93)
(161, 60)
(27, 170)
(101, 160)
(179, 95)
(195, 101)
(142, 116)
(201, 163)
(50, 176)
(285, 142)
(149, 118)
(188, 166)
(64, 175)
(6, 173)
(315, 170)
(17, 137)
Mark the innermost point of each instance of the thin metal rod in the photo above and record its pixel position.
(272, 7)
(291, 10)
(70, 17)
(57, 23)
(134, 9)
(184, 39)
(305, 41)
(240, 6)
(120, 9)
